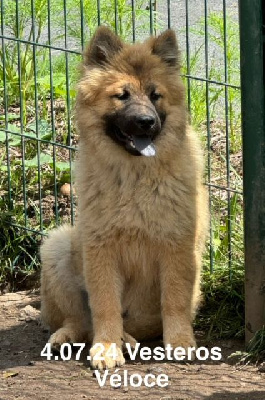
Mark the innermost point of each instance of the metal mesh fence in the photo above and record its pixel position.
(41, 46)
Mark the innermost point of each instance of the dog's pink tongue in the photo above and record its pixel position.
(144, 145)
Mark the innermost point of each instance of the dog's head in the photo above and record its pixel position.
(129, 90)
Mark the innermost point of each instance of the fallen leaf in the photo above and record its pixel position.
(9, 374)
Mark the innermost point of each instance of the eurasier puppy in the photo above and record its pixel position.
(130, 268)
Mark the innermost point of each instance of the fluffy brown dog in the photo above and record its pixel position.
(131, 266)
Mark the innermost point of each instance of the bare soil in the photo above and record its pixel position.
(26, 375)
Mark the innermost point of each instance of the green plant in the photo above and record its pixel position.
(230, 45)
(256, 347)
(22, 63)
(221, 224)
(221, 314)
(33, 157)
(19, 259)
(219, 46)
(255, 351)
(116, 15)
(197, 91)
(12, 54)
(222, 310)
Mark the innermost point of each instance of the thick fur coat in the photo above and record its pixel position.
(130, 268)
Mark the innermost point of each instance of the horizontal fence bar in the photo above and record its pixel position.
(197, 78)
(80, 53)
(37, 139)
(224, 188)
(28, 229)
(47, 46)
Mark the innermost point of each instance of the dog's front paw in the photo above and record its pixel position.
(106, 356)
(59, 337)
(181, 348)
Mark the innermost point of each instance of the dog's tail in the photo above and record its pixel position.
(57, 246)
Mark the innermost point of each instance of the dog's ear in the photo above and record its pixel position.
(102, 47)
(166, 47)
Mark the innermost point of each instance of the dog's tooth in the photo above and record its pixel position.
(149, 151)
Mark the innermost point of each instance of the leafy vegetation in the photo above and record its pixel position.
(255, 351)
(19, 255)
(221, 314)
(215, 113)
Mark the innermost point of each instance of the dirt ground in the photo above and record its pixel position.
(26, 375)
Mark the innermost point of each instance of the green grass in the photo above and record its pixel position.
(216, 72)
(19, 265)
(255, 351)
(221, 314)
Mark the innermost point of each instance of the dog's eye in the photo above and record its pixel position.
(154, 96)
(123, 96)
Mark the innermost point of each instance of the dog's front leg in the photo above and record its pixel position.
(178, 276)
(104, 286)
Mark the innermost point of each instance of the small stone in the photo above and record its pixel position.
(65, 189)
(155, 370)
(261, 368)
(29, 313)
(6, 343)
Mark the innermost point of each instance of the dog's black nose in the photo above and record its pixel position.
(145, 122)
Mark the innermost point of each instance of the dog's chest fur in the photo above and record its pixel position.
(155, 202)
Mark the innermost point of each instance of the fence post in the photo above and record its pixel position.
(252, 20)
